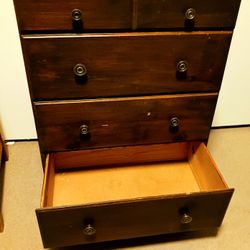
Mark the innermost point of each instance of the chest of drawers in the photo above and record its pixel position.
(123, 94)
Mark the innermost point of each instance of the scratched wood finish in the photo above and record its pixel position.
(123, 121)
(47, 15)
(170, 14)
(63, 226)
(125, 64)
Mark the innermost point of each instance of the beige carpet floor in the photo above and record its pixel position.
(21, 186)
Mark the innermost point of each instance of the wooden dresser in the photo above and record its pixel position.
(123, 93)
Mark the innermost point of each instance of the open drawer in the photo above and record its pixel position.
(125, 192)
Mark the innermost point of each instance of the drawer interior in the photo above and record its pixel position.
(111, 174)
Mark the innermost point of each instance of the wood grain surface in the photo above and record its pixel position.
(47, 15)
(41, 15)
(170, 14)
(121, 155)
(125, 64)
(64, 226)
(123, 121)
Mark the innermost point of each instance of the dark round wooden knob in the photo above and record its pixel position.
(80, 70)
(186, 219)
(84, 130)
(89, 230)
(174, 122)
(182, 66)
(190, 14)
(76, 15)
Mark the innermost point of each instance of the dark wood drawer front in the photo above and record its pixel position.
(46, 15)
(125, 64)
(122, 220)
(181, 14)
(42, 15)
(123, 121)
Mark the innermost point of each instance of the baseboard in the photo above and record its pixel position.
(19, 140)
(231, 126)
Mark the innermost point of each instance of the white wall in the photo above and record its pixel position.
(233, 107)
(16, 116)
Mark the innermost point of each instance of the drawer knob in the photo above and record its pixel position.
(89, 230)
(186, 219)
(174, 125)
(190, 14)
(182, 66)
(76, 15)
(84, 130)
(174, 122)
(80, 70)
